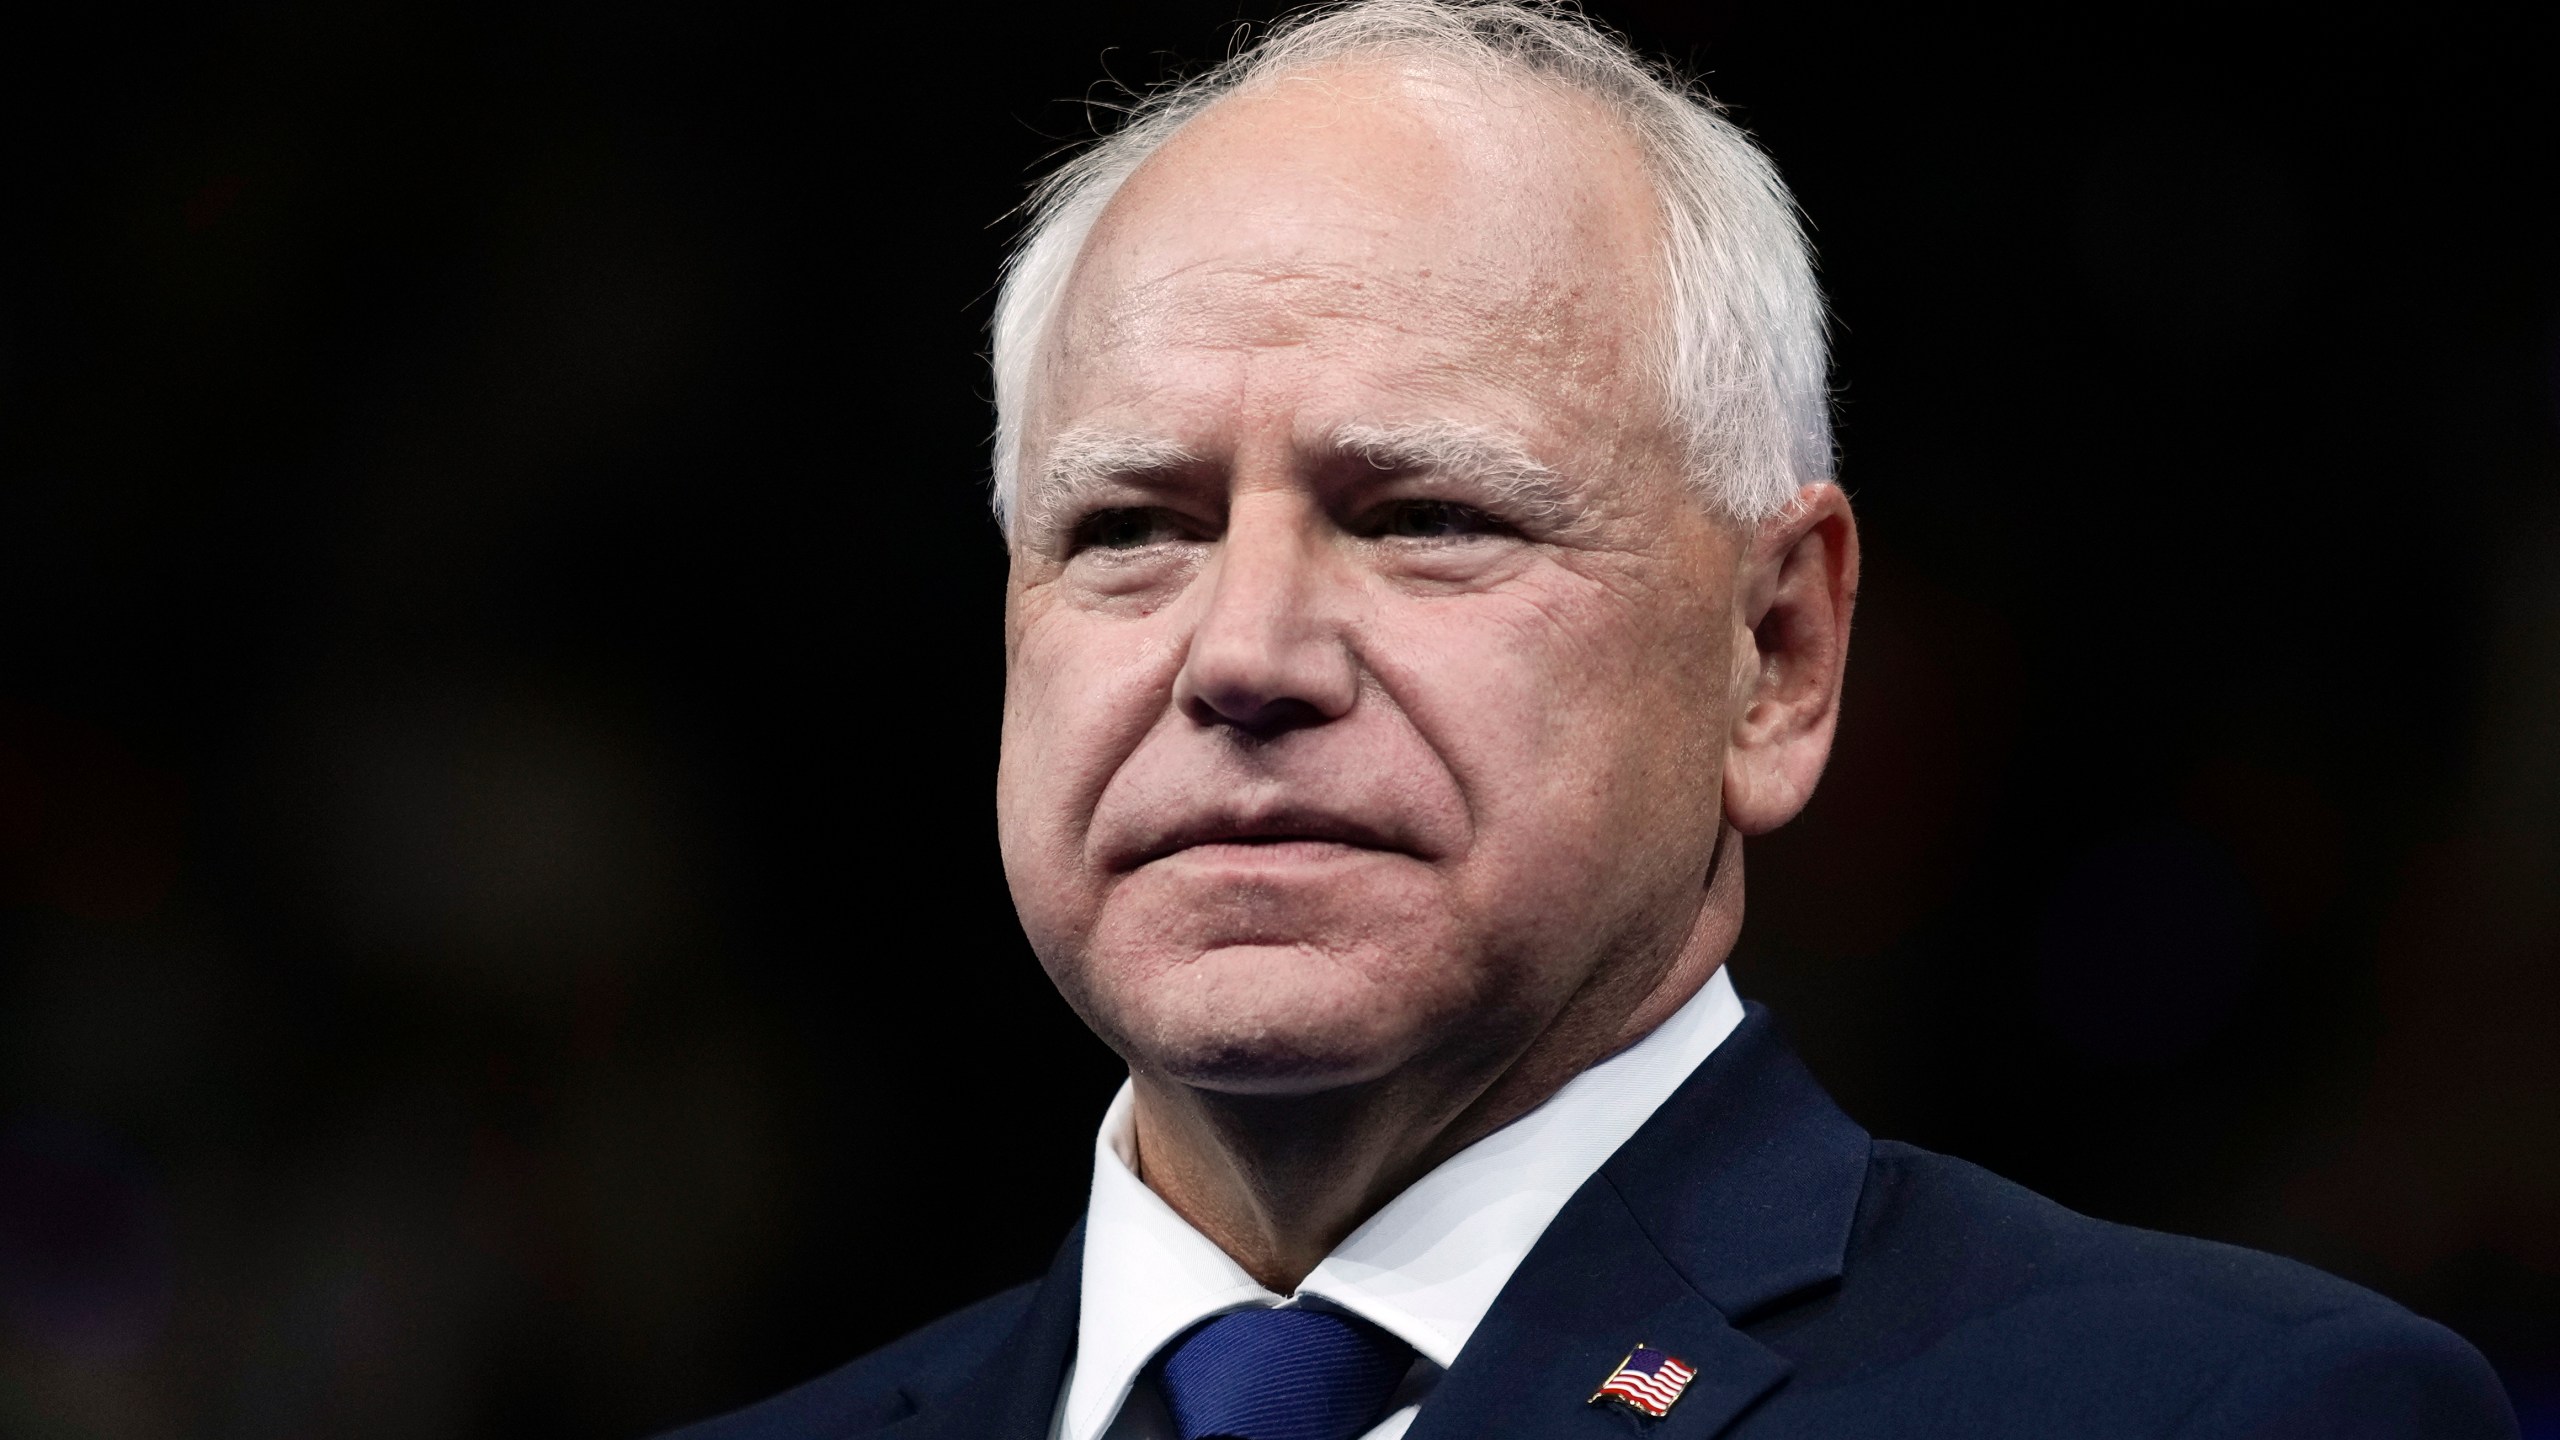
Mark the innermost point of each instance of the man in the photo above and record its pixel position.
(1426, 577)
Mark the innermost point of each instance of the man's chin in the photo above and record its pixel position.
(1254, 1020)
(1261, 1069)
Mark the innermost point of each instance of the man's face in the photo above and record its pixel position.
(1369, 663)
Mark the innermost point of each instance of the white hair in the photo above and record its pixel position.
(1744, 363)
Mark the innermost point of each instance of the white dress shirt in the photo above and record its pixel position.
(1426, 1267)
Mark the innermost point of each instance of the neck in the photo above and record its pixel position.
(1277, 1181)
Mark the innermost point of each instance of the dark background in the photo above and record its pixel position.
(500, 929)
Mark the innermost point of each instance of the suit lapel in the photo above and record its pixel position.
(1738, 1193)
(1593, 1289)
(1747, 1179)
(1013, 1394)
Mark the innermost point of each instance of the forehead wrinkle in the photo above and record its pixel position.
(1221, 304)
(1464, 317)
(1089, 458)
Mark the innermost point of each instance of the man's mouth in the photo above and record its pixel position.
(1266, 832)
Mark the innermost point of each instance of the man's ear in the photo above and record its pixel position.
(1797, 584)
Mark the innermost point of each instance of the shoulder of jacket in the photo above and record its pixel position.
(882, 1387)
(2005, 1227)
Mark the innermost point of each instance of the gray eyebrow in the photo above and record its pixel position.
(1086, 459)
(1499, 463)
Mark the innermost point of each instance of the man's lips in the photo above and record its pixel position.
(1272, 829)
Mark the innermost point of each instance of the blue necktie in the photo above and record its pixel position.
(1281, 1375)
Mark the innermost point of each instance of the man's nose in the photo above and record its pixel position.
(1270, 654)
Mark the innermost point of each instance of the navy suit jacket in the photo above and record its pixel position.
(1823, 1284)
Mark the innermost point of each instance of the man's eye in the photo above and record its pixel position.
(1433, 520)
(1122, 529)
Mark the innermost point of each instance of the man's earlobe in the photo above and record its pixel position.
(1799, 585)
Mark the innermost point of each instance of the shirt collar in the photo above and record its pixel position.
(1426, 1267)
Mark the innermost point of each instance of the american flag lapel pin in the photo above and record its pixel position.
(1648, 1382)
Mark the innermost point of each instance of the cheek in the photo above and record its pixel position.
(1580, 720)
(1080, 692)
